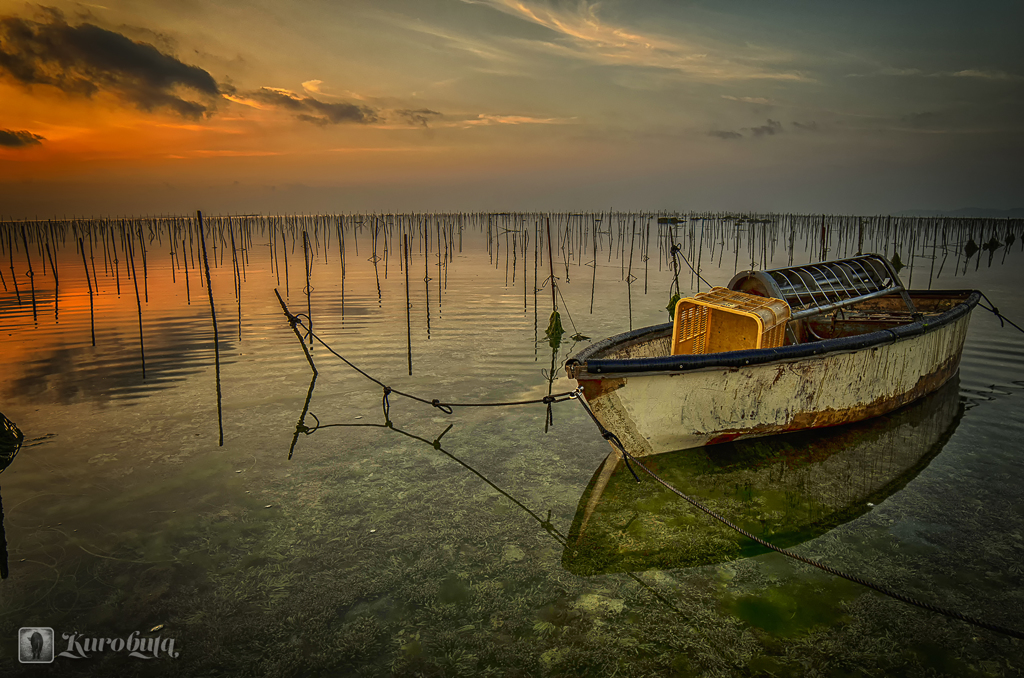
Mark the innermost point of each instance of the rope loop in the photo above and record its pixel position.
(995, 310)
(444, 408)
(302, 428)
(294, 320)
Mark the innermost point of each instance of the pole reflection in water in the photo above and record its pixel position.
(11, 439)
(786, 489)
(30, 274)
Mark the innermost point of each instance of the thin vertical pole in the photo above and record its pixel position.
(184, 258)
(216, 337)
(92, 321)
(408, 305)
(31, 275)
(138, 303)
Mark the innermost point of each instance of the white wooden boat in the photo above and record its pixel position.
(858, 345)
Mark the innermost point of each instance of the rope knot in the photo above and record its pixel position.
(444, 408)
(548, 399)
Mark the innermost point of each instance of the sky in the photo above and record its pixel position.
(135, 107)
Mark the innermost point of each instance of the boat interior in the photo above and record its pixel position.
(786, 306)
(880, 313)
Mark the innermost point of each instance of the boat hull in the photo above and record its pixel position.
(654, 406)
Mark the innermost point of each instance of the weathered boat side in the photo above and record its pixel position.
(661, 403)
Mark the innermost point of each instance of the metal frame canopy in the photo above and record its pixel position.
(818, 288)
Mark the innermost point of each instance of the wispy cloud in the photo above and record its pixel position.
(86, 59)
(10, 138)
(483, 49)
(313, 110)
(485, 119)
(316, 88)
(419, 117)
(580, 32)
(984, 75)
(305, 108)
(313, 86)
(965, 73)
(227, 153)
(749, 100)
(771, 129)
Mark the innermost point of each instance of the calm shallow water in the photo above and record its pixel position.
(372, 552)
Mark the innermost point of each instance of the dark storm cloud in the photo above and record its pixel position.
(420, 116)
(806, 126)
(313, 110)
(10, 138)
(773, 127)
(725, 135)
(86, 59)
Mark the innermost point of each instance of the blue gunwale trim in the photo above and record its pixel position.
(760, 356)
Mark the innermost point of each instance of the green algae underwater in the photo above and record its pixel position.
(329, 537)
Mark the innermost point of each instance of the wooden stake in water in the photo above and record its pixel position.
(551, 269)
(138, 303)
(145, 270)
(629, 276)
(295, 329)
(114, 262)
(92, 320)
(238, 281)
(56, 281)
(188, 294)
(308, 290)
(284, 247)
(426, 273)
(10, 252)
(31, 275)
(408, 304)
(216, 338)
(341, 245)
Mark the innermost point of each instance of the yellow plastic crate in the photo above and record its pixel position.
(724, 320)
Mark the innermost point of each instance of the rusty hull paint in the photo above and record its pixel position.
(659, 413)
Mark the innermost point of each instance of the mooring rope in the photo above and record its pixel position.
(614, 440)
(446, 407)
(676, 249)
(995, 310)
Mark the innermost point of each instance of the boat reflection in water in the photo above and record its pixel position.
(786, 489)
